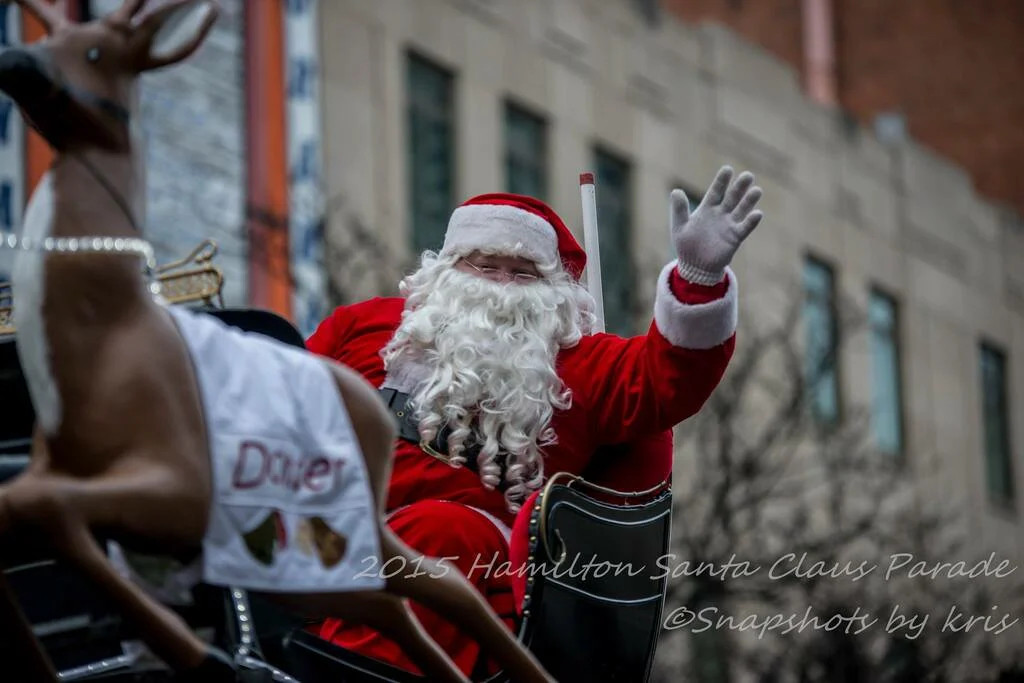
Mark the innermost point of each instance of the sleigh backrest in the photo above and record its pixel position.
(595, 582)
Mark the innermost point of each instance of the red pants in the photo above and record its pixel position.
(472, 543)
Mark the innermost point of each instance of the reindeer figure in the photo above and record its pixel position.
(253, 464)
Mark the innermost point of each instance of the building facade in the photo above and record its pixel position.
(427, 103)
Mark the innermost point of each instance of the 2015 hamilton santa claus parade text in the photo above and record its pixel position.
(899, 620)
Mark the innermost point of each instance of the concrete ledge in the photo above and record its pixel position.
(861, 151)
(864, 198)
(1014, 295)
(925, 172)
(751, 129)
(817, 124)
(682, 39)
(926, 245)
(743, 65)
(492, 12)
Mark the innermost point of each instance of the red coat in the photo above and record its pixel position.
(622, 389)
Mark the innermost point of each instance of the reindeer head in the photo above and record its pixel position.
(76, 86)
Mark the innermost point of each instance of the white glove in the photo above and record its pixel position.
(707, 240)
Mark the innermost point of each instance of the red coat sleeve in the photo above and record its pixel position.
(633, 387)
(331, 335)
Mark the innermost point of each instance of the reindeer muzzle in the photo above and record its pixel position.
(27, 77)
(58, 111)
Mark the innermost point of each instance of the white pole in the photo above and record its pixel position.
(592, 246)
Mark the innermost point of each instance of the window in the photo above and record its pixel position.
(821, 328)
(995, 417)
(6, 225)
(526, 155)
(650, 10)
(613, 181)
(5, 27)
(886, 397)
(6, 206)
(431, 121)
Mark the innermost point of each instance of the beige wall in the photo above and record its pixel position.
(678, 102)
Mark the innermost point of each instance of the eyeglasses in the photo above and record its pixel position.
(492, 273)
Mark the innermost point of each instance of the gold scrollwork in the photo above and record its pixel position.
(6, 309)
(194, 278)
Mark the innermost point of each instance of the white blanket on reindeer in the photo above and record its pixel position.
(293, 510)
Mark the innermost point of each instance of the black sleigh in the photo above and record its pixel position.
(592, 592)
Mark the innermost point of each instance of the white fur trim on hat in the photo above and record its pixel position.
(697, 326)
(502, 229)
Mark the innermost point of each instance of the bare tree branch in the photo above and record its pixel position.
(761, 480)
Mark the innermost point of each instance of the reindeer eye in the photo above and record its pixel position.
(93, 55)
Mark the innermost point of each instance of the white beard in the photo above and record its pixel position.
(479, 357)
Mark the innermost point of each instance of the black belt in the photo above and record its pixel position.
(397, 403)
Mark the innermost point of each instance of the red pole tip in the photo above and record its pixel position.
(586, 178)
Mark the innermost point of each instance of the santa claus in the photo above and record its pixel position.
(489, 364)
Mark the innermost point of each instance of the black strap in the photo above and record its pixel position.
(397, 403)
(105, 105)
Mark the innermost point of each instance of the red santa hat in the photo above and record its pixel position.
(515, 225)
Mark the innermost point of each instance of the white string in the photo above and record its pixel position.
(92, 245)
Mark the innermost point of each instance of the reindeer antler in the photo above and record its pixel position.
(127, 10)
(171, 32)
(51, 16)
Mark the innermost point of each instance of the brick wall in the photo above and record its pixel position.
(952, 68)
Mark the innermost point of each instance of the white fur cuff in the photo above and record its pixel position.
(700, 326)
(502, 229)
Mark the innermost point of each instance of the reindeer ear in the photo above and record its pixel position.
(173, 32)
